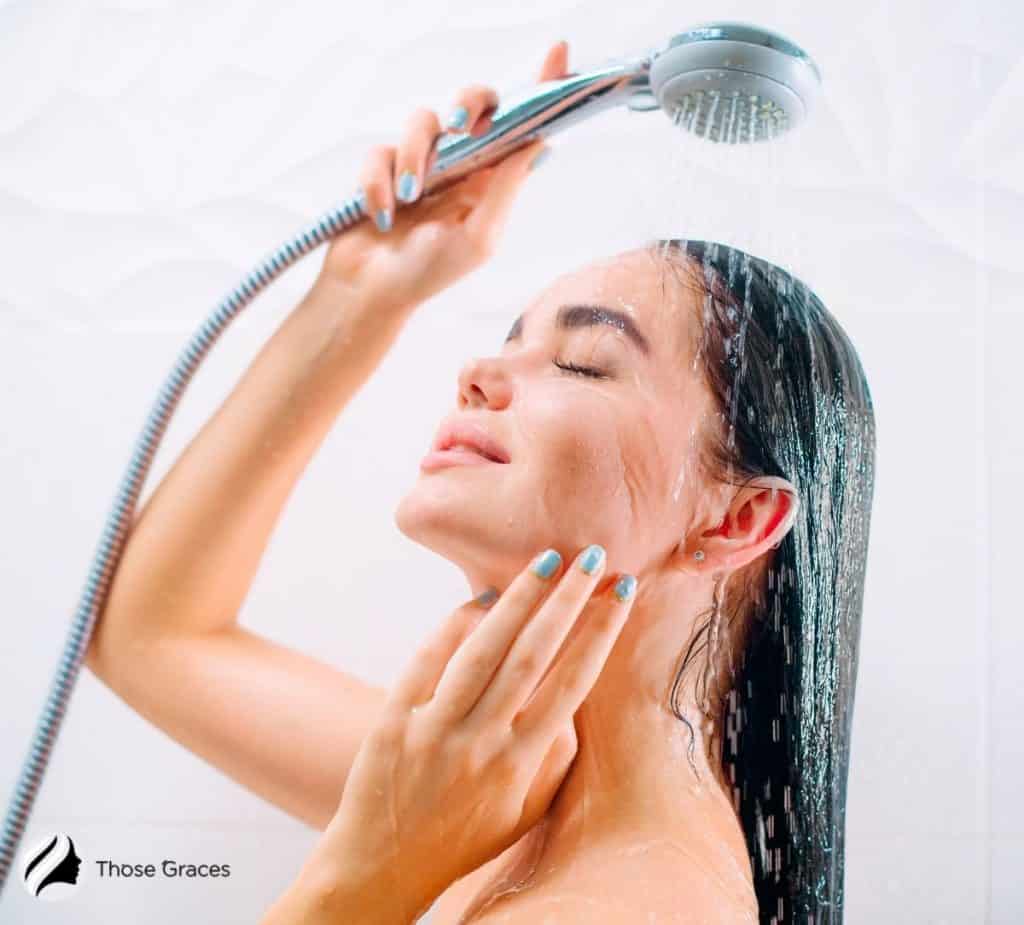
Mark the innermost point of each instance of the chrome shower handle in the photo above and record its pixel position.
(538, 112)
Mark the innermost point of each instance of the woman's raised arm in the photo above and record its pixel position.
(168, 642)
(281, 723)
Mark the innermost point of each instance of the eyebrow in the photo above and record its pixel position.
(578, 316)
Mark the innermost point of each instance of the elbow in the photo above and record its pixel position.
(109, 653)
(97, 652)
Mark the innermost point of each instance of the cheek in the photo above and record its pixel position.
(617, 462)
(581, 447)
(644, 474)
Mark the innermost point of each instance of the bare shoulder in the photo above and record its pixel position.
(646, 883)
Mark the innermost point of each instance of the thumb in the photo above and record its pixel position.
(493, 207)
(522, 160)
(548, 780)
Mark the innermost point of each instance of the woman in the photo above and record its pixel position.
(694, 411)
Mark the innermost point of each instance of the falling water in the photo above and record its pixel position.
(818, 430)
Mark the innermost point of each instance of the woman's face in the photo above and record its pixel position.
(607, 460)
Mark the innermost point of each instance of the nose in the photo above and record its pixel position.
(485, 382)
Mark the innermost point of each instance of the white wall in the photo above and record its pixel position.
(151, 152)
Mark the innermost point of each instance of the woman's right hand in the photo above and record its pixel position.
(438, 238)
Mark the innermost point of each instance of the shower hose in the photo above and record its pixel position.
(119, 519)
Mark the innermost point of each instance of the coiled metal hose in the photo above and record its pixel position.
(119, 520)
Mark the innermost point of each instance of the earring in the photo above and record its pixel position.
(699, 555)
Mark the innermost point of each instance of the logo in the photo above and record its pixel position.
(51, 868)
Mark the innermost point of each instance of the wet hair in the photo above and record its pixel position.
(792, 401)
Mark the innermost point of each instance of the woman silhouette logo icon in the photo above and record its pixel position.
(51, 868)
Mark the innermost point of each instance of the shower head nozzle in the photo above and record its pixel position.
(732, 82)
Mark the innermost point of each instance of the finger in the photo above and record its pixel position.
(535, 647)
(450, 207)
(555, 66)
(489, 216)
(475, 114)
(471, 669)
(470, 104)
(556, 62)
(418, 682)
(375, 182)
(416, 148)
(559, 695)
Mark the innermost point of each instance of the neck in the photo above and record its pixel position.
(636, 777)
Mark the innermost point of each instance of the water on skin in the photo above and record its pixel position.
(605, 462)
(608, 464)
(614, 480)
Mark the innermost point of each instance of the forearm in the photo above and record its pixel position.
(335, 893)
(194, 548)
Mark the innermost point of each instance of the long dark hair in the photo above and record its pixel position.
(793, 402)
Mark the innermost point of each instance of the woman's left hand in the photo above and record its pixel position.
(476, 737)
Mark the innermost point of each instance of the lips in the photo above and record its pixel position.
(471, 436)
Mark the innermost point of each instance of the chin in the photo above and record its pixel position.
(440, 515)
(432, 510)
(409, 516)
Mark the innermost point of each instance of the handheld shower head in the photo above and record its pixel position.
(727, 82)
(734, 83)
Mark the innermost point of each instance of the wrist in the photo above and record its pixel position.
(323, 894)
(342, 886)
(338, 290)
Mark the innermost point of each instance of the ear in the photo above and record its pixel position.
(759, 515)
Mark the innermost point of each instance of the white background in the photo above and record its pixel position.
(151, 152)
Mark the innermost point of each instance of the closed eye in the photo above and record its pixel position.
(581, 370)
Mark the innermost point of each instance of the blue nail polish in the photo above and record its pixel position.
(488, 597)
(592, 558)
(544, 565)
(383, 219)
(405, 189)
(625, 587)
(457, 120)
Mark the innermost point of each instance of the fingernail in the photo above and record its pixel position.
(384, 219)
(488, 597)
(592, 558)
(625, 587)
(458, 117)
(405, 188)
(539, 158)
(546, 563)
